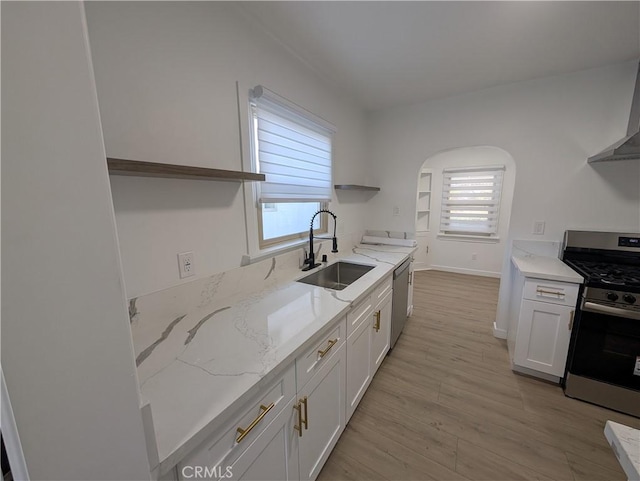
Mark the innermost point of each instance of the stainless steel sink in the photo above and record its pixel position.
(337, 276)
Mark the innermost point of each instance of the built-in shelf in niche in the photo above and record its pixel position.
(172, 171)
(356, 187)
(423, 201)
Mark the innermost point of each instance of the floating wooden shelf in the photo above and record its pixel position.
(355, 187)
(172, 171)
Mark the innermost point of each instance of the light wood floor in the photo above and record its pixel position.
(446, 405)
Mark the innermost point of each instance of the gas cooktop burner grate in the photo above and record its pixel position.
(612, 274)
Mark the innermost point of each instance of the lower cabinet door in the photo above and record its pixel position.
(542, 340)
(324, 414)
(381, 332)
(358, 365)
(272, 456)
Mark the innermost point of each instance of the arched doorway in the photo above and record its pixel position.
(455, 240)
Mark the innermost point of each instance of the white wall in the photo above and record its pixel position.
(166, 77)
(549, 126)
(67, 354)
(454, 254)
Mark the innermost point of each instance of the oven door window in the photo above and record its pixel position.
(607, 348)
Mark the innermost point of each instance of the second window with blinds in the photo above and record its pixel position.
(471, 201)
(293, 148)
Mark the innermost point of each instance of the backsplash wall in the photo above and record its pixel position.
(166, 76)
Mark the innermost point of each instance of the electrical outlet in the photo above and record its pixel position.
(538, 227)
(185, 265)
(396, 210)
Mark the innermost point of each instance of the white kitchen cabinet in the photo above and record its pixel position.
(381, 328)
(321, 410)
(229, 444)
(368, 343)
(294, 423)
(541, 315)
(359, 361)
(271, 457)
(542, 341)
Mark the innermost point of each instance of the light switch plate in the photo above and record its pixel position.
(538, 227)
(185, 265)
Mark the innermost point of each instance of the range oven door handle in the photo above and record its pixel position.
(612, 311)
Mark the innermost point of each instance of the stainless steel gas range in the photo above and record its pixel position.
(603, 365)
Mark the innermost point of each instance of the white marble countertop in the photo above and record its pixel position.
(205, 347)
(542, 267)
(625, 442)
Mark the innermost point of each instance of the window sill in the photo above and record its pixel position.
(469, 238)
(273, 251)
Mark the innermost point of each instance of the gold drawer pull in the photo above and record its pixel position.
(254, 423)
(555, 293)
(571, 316)
(376, 326)
(306, 413)
(298, 427)
(332, 343)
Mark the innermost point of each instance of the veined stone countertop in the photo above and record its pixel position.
(625, 442)
(542, 267)
(205, 347)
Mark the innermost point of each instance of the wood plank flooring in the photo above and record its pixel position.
(446, 405)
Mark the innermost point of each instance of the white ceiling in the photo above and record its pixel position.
(396, 53)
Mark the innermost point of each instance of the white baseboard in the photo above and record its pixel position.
(532, 373)
(499, 333)
(460, 270)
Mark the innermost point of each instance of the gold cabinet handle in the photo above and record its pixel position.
(298, 427)
(376, 326)
(571, 320)
(254, 423)
(306, 413)
(332, 343)
(555, 293)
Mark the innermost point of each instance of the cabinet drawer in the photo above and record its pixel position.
(358, 314)
(311, 361)
(382, 290)
(220, 449)
(562, 293)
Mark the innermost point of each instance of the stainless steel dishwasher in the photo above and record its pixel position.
(399, 300)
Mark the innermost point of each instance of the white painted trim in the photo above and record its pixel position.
(283, 249)
(468, 238)
(274, 251)
(10, 434)
(471, 272)
(498, 332)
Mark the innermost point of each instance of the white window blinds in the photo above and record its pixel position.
(471, 201)
(292, 147)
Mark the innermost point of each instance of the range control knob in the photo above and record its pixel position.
(629, 298)
(612, 296)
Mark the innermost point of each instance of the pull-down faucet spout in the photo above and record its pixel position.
(310, 261)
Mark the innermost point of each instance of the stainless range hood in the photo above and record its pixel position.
(629, 147)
